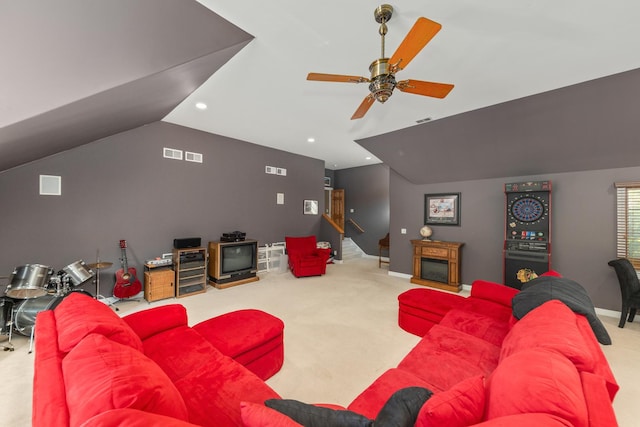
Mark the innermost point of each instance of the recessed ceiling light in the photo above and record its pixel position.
(311, 140)
(201, 106)
(368, 158)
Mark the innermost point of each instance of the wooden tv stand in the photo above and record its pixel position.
(437, 250)
(234, 283)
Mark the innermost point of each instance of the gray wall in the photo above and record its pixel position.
(583, 227)
(122, 188)
(367, 193)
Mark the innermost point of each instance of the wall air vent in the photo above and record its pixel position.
(50, 185)
(172, 153)
(193, 157)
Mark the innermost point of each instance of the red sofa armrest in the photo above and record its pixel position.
(492, 291)
(599, 405)
(158, 319)
(49, 395)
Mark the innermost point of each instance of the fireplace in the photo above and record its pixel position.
(436, 270)
(437, 264)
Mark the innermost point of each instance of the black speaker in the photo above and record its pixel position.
(186, 242)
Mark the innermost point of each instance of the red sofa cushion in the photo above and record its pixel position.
(101, 374)
(440, 368)
(552, 326)
(462, 405)
(212, 384)
(526, 420)
(79, 315)
(133, 418)
(537, 380)
(474, 350)
(488, 328)
(258, 415)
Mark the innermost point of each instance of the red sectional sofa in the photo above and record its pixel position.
(93, 368)
(486, 369)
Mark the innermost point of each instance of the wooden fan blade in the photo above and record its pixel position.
(336, 78)
(436, 90)
(364, 107)
(420, 34)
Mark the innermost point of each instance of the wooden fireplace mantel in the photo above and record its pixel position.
(434, 249)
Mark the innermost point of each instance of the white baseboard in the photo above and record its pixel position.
(402, 275)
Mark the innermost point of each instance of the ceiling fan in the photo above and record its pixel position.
(383, 70)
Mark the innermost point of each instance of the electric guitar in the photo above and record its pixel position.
(127, 284)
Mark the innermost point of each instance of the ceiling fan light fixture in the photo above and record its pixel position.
(382, 80)
(382, 87)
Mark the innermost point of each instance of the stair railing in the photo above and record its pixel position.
(355, 225)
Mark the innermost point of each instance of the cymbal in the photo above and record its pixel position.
(100, 265)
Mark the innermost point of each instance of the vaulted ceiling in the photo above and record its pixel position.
(539, 86)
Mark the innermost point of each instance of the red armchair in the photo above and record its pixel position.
(305, 259)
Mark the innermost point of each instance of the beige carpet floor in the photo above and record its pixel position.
(340, 334)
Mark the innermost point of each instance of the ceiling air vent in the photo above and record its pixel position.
(193, 157)
(425, 120)
(172, 153)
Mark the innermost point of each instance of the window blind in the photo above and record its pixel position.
(628, 221)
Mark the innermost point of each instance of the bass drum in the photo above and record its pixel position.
(27, 310)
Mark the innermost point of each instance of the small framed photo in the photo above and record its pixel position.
(442, 209)
(310, 207)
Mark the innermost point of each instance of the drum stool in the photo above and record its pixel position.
(419, 309)
(251, 337)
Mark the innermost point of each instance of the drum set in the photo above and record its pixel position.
(33, 288)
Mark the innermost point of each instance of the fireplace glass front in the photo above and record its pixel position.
(436, 270)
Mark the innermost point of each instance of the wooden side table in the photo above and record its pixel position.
(159, 283)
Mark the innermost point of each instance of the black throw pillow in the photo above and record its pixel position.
(401, 410)
(317, 416)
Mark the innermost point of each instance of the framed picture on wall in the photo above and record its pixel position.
(310, 207)
(442, 209)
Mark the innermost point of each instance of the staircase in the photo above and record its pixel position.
(350, 250)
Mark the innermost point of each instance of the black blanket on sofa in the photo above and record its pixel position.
(546, 288)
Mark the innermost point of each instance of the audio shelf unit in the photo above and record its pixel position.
(190, 265)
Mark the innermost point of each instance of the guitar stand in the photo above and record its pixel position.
(97, 281)
(106, 300)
